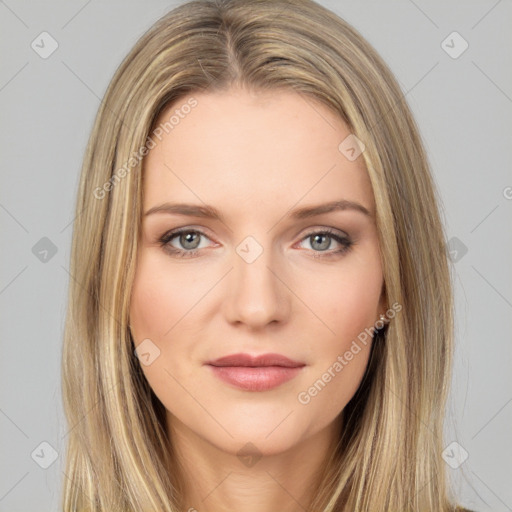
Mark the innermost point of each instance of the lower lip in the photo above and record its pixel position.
(260, 378)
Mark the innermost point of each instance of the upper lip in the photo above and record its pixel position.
(256, 361)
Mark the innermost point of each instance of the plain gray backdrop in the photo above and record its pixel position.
(452, 60)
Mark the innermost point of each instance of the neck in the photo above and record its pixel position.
(216, 480)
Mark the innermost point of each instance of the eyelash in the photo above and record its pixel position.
(167, 237)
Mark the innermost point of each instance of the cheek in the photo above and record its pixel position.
(158, 300)
(348, 301)
(149, 304)
(348, 304)
(154, 310)
(164, 309)
(158, 304)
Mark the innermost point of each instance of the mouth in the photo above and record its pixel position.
(256, 361)
(255, 373)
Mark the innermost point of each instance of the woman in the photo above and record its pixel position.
(260, 315)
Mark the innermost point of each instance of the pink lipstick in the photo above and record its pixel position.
(255, 373)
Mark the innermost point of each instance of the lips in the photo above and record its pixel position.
(256, 361)
(255, 373)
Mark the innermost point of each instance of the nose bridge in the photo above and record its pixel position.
(256, 295)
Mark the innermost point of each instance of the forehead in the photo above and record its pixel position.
(239, 148)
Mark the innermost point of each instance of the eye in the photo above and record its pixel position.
(189, 239)
(321, 241)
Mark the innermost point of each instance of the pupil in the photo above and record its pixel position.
(187, 240)
(324, 245)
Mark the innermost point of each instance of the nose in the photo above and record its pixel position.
(257, 294)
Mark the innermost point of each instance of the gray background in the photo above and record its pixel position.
(462, 106)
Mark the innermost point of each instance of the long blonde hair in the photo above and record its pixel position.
(388, 457)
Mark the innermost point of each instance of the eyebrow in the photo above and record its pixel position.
(300, 213)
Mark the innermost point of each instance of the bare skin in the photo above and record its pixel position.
(256, 158)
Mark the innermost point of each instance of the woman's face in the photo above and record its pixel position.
(261, 276)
